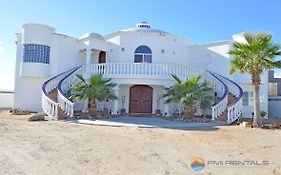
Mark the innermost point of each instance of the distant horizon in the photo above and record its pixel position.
(198, 21)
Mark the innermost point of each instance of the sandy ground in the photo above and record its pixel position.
(53, 147)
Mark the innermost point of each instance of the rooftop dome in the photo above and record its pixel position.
(93, 35)
(143, 25)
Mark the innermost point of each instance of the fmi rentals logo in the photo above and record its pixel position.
(198, 163)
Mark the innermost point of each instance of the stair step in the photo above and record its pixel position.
(231, 100)
(53, 95)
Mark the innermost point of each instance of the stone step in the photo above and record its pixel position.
(53, 95)
(231, 100)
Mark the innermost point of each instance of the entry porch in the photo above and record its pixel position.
(136, 99)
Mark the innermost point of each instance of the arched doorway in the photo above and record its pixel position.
(102, 57)
(140, 99)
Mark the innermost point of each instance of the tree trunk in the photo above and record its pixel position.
(190, 111)
(257, 115)
(256, 84)
(92, 106)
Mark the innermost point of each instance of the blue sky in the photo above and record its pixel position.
(197, 20)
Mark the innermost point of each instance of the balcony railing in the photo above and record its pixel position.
(163, 71)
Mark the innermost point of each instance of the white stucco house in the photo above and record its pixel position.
(140, 60)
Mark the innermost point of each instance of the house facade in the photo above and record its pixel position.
(140, 60)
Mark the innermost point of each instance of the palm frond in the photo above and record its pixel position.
(176, 78)
(96, 88)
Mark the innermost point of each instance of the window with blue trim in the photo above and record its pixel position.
(36, 53)
(143, 54)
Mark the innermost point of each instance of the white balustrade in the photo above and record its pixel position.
(222, 93)
(71, 79)
(142, 69)
(50, 107)
(234, 109)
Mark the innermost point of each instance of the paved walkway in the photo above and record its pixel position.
(145, 122)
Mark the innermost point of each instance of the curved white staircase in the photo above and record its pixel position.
(56, 104)
(49, 104)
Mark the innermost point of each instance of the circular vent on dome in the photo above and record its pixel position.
(143, 25)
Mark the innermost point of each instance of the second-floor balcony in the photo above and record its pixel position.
(141, 70)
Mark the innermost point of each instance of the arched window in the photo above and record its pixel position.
(143, 54)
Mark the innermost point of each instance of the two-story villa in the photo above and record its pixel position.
(140, 60)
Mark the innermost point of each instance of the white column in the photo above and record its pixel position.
(88, 56)
(166, 106)
(115, 105)
(85, 105)
(213, 113)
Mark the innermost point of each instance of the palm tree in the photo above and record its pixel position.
(206, 99)
(96, 88)
(188, 93)
(258, 53)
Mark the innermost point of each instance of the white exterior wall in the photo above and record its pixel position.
(27, 94)
(124, 91)
(65, 54)
(247, 110)
(170, 44)
(210, 57)
(158, 92)
(6, 99)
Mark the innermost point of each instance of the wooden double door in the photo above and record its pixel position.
(140, 99)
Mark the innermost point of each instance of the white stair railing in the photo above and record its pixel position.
(64, 85)
(50, 106)
(221, 89)
(234, 110)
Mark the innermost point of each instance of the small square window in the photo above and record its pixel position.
(123, 49)
(162, 50)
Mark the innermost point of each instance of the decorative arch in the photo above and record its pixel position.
(143, 54)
